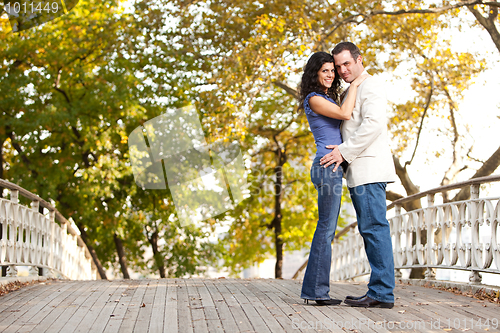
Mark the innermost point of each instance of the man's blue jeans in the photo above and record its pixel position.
(370, 204)
(316, 284)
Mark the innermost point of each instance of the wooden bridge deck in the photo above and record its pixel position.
(231, 305)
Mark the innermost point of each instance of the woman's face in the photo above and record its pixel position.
(326, 75)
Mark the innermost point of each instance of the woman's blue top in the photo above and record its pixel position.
(326, 131)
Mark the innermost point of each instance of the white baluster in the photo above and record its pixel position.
(33, 271)
(430, 273)
(12, 271)
(14, 196)
(475, 246)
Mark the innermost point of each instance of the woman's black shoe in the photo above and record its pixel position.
(331, 301)
(354, 297)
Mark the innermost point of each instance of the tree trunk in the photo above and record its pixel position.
(278, 241)
(97, 262)
(410, 188)
(121, 256)
(158, 257)
(416, 273)
(486, 169)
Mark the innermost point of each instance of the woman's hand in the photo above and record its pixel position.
(359, 79)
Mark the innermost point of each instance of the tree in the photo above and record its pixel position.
(72, 91)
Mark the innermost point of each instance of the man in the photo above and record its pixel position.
(370, 167)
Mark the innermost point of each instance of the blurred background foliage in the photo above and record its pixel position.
(73, 89)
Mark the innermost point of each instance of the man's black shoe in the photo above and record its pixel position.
(367, 302)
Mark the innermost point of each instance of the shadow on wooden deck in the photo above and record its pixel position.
(231, 305)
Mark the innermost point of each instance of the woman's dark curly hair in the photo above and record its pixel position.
(309, 82)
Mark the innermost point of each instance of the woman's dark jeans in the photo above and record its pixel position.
(316, 284)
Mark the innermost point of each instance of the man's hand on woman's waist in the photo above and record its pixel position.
(333, 157)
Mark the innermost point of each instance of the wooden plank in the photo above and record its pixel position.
(171, 318)
(214, 323)
(132, 311)
(146, 308)
(103, 303)
(183, 310)
(261, 307)
(280, 310)
(99, 289)
(427, 304)
(234, 307)
(29, 307)
(157, 320)
(355, 318)
(310, 315)
(8, 300)
(434, 307)
(50, 319)
(195, 305)
(332, 317)
(105, 312)
(253, 316)
(452, 300)
(118, 315)
(229, 305)
(327, 315)
(19, 298)
(70, 309)
(289, 300)
(223, 312)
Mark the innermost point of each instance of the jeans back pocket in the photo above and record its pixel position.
(317, 172)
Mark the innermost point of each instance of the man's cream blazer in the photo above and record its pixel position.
(365, 145)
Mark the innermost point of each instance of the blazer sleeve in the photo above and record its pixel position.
(373, 104)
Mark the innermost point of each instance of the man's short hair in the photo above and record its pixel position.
(353, 49)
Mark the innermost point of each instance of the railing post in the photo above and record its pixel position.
(474, 191)
(12, 269)
(31, 236)
(430, 274)
(397, 239)
(474, 277)
(50, 244)
(14, 196)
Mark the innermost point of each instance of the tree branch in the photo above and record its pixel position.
(426, 108)
(287, 88)
(489, 22)
(353, 18)
(56, 86)
(454, 168)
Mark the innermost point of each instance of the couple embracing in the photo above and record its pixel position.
(351, 132)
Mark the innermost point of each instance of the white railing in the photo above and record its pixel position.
(462, 235)
(29, 238)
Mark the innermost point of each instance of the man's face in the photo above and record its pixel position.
(348, 68)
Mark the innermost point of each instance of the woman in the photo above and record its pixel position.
(319, 97)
